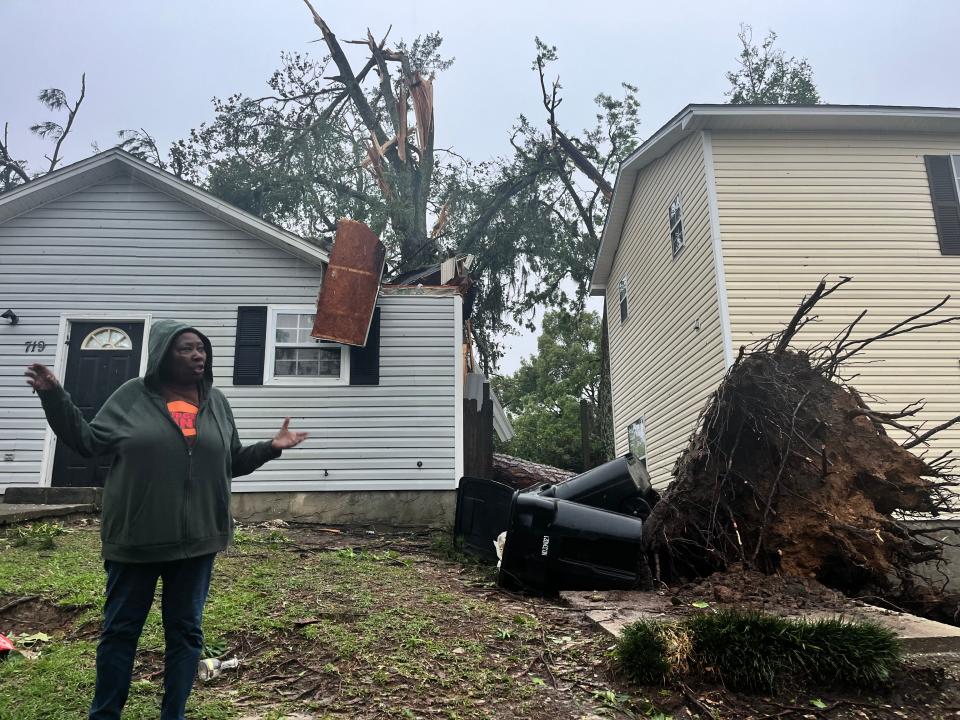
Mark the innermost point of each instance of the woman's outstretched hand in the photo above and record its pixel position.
(287, 438)
(40, 377)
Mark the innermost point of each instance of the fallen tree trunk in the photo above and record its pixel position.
(791, 472)
(521, 474)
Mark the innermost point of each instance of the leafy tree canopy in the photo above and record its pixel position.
(330, 140)
(766, 76)
(543, 396)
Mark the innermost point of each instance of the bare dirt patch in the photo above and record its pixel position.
(32, 614)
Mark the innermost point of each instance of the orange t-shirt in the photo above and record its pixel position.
(184, 414)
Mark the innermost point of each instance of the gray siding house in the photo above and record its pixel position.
(94, 253)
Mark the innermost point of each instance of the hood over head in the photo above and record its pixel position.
(162, 335)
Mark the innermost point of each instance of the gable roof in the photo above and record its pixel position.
(810, 118)
(119, 163)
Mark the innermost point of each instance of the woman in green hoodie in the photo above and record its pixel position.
(166, 502)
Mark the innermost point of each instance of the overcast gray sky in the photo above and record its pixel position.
(157, 64)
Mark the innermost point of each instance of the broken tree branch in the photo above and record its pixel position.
(347, 77)
(71, 116)
(796, 322)
(7, 162)
(919, 439)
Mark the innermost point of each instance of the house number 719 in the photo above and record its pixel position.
(34, 346)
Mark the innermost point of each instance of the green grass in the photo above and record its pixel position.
(366, 626)
(70, 574)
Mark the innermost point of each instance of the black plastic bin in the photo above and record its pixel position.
(615, 485)
(483, 511)
(555, 544)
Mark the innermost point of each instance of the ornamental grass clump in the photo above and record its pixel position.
(650, 652)
(747, 650)
(859, 654)
(755, 652)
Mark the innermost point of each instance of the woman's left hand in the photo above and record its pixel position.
(286, 438)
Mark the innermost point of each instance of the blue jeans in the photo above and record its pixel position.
(130, 590)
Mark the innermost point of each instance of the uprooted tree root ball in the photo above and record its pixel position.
(790, 471)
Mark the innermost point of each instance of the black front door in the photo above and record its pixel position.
(101, 356)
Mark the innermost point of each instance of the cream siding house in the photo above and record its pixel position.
(773, 199)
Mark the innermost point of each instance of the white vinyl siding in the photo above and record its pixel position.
(796, 207)
(667, 357)
(122, 247)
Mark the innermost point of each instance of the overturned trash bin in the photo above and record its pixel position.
(483, 510)
(553, 544)
(615, 485)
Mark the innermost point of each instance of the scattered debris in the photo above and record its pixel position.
(213, 667)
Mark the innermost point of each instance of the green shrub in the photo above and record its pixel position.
(650, 652)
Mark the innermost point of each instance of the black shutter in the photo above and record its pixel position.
(365, 361)
(251, 342)
(946, 207)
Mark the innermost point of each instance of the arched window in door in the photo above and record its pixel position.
(107, 338)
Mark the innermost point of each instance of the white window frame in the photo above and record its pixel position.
(623, 299)
(270, 349)
(678, 201)
(642, 424)
(955, 166)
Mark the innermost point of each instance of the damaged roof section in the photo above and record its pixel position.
(442, 273)
(349, 292)
(348, 298)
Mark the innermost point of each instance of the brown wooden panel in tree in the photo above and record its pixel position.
(349, 292)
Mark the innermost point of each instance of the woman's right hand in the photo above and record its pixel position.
(40, 377)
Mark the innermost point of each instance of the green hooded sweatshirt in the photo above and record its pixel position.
(162, 499)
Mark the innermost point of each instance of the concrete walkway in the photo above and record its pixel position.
(613, 610)
(11, 513)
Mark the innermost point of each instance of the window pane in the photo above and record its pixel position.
(331, 362)
(675, 211)
(286, 335)
(309, 368)
(637, 438)
(286, 354)
(284, 368)
(303, 335)
(306, 320)
(287, 320)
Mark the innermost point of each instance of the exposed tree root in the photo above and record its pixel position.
(790, 471)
